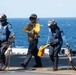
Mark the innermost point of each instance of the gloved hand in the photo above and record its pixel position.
(11, 39)
(47, 43)
(67, 43)
(12, 36)
(29, 31)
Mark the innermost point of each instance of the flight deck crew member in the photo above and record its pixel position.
(55, 42)
(6, 32)
(32, 29)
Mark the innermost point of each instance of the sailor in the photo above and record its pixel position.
(32, 29)
(55, 42)
(6, 32)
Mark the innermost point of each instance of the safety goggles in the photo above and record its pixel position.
(32, 18)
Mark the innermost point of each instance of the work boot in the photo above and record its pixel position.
(55, 68)
(23, 65)
(2, 66)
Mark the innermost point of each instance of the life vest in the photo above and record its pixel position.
(7, 32)
(33, 35)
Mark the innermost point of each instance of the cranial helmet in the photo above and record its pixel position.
(3, 17)
(51, 23)
(33, 16)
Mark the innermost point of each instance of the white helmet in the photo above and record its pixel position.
(3, 17)
(51, 23)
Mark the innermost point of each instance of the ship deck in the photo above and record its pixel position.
(16, 69)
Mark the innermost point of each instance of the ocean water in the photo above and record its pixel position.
(68, 25)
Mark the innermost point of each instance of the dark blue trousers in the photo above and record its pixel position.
(3, 48)
(53, 53)
(33, 50)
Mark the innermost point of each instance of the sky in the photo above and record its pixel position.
(43, 8)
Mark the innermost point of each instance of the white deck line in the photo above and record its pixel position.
(24, 51)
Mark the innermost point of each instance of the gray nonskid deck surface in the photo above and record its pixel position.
(16, 60)
(45, 70)
(30, 73)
